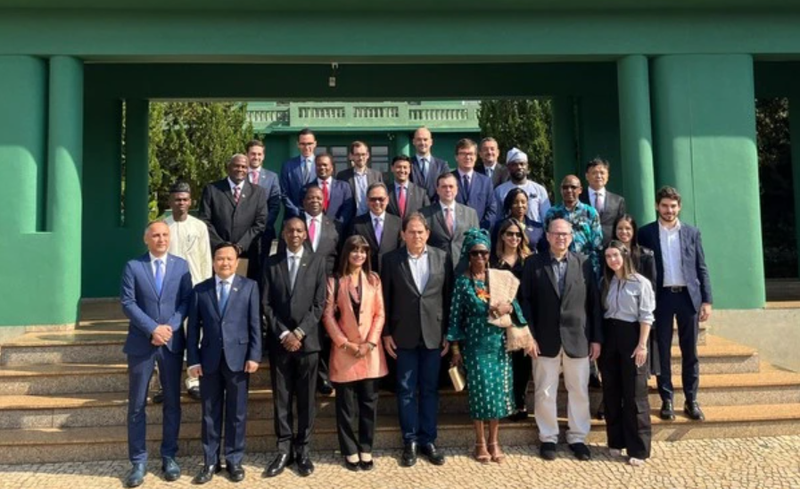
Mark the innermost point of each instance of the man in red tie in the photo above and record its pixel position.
(405, 198)
(337, 198)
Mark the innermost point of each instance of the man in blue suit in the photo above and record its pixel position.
(155, 296)
(337, 198)
(474, 189)
(683, 291)
(298, 172)
(223, 349)
(268, 180)
(426, 168)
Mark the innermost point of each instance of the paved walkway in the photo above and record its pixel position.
(768, 463)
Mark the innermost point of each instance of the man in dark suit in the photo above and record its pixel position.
(298, 172)
(417, 283)
(474, 189)
(360, 176)
(425, 167)
(268, 180)
(236, 211)
(405, 198)
(323, 232)
(223, 349)
(448, 220)
(379, 228)
(608, 205)
(154, 296)
(293, 300)
(683, 292)
(489, 164)
(337, 200)
(561, 303)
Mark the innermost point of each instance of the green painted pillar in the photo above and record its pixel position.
(402, 144)
(599, 133)
(291, 141)
(794, 135)
(705, 146)
(137, 167)
(636, 139)
(565, 152)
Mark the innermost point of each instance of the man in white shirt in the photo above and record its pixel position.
(448, 220)
(489, 166)
(538, 200)
(360, 176)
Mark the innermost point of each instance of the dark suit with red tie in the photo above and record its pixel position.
(416, 199)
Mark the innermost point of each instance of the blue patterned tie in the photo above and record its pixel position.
(223, 296)
(159, 276)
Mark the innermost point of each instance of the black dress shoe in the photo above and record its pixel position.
(325, 388)
(667, 412)
(581, 451)
(194, 393)
(206, 474)
(305, 466)
(366, 466)
(158, 397)
(409, 457)
(172, 471)
(235, 472)
(135, 477)
(692, 409)
(278, 464)
(434, 456)
(352, 466)
(548, 451)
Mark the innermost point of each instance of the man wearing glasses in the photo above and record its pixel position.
(474, 189)
(297, 173)
(378, 227)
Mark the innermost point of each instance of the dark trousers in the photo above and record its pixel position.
(224, 391)
(140, 370)
(324, 355)
(294, 378)
(627, 410)
(522, 368)
(418, 368)
(679, 305)
(364, 394)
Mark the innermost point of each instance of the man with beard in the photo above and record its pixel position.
(538, 201)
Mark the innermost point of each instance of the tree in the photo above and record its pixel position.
(192, 141)
(525, 124)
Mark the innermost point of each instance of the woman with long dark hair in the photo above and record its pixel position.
(515, 205)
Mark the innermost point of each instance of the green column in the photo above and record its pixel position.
(565, 153)
(136, 170)
(402, 144)
(705, 146)
(794, 135)
(291, 144)
(598, 133)
(636, 139)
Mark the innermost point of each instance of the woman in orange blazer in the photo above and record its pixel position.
(354, 320)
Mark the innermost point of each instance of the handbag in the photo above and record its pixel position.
(503, 286)
(457, 378)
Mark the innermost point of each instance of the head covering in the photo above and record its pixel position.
(515, 154)
(180, 187)
(472, 237)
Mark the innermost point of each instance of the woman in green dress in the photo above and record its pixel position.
(483, 346)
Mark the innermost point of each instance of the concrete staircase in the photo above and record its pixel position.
(63, 397)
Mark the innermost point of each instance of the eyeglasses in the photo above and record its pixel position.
(377, 199)
(477, 253)
(570, 187)
(307, 144)
(559, 235)
(512, 234)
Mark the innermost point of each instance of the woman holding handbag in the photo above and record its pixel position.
(354, 319)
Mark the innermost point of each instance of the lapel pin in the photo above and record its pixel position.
(235, 289)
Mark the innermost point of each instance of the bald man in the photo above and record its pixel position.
(426, 168)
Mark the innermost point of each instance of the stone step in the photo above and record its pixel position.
(110, 443)
(98, 341)
(720, 356)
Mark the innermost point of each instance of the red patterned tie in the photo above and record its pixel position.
(254, 177)
(325, 195)
(312, 230)
(401, 202)
(236, 193)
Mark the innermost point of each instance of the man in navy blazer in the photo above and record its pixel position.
(223, 349)
(360, 176)
(268, 180)
(683, 291)
(426, 168)
(474, 189)
(154, 296)
(298, 172)
(337, 199)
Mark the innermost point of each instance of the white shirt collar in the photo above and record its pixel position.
(469, 173)
(675, 228)
(424, 252)
(374, 216)
(492, 166)
(153, 257)
(427, 157)
(299, 254)
(363, 172)
(310, 217)
(218, 279)
(452, 206)
(328, 180)
(602, 191)
(398, 185)
(233, 185)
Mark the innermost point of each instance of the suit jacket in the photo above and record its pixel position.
(348, 175)
(146, 309)
(436, 167)
(268, 180)
(341, 205)
(237, 330)
(286, 309)
(329, 245)
(293, 184)
(499, 175)
(413, 316)
(570, 321)
(440, 237)
(344, 366)
(614, 207)
(416, 199)
(480, 197)
(693, 261)
(242, 224)
(390, 239)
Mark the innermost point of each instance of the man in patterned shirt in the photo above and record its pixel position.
(586, 230)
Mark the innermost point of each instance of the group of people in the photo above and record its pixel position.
(387, 286)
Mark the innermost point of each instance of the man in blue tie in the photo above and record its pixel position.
(426, 168)
(298, 172)
(155, 296)
(223, 349)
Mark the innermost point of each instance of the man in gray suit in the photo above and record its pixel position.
(447, 219)
(609, 206)
(360, 176)
(489, 166)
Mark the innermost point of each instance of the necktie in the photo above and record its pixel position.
(312, 230)
(325, 195)
(292, 271)
(236, 194)
(306, 169)
(448, 219)
(159, 276)
(489, 171)
(361, 198)
(466, 187)
(599, 202)
(424, 162)
(254, 177)
(378, 230)
(401, 201)
(223, 296)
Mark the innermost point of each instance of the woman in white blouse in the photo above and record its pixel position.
(628, 301)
